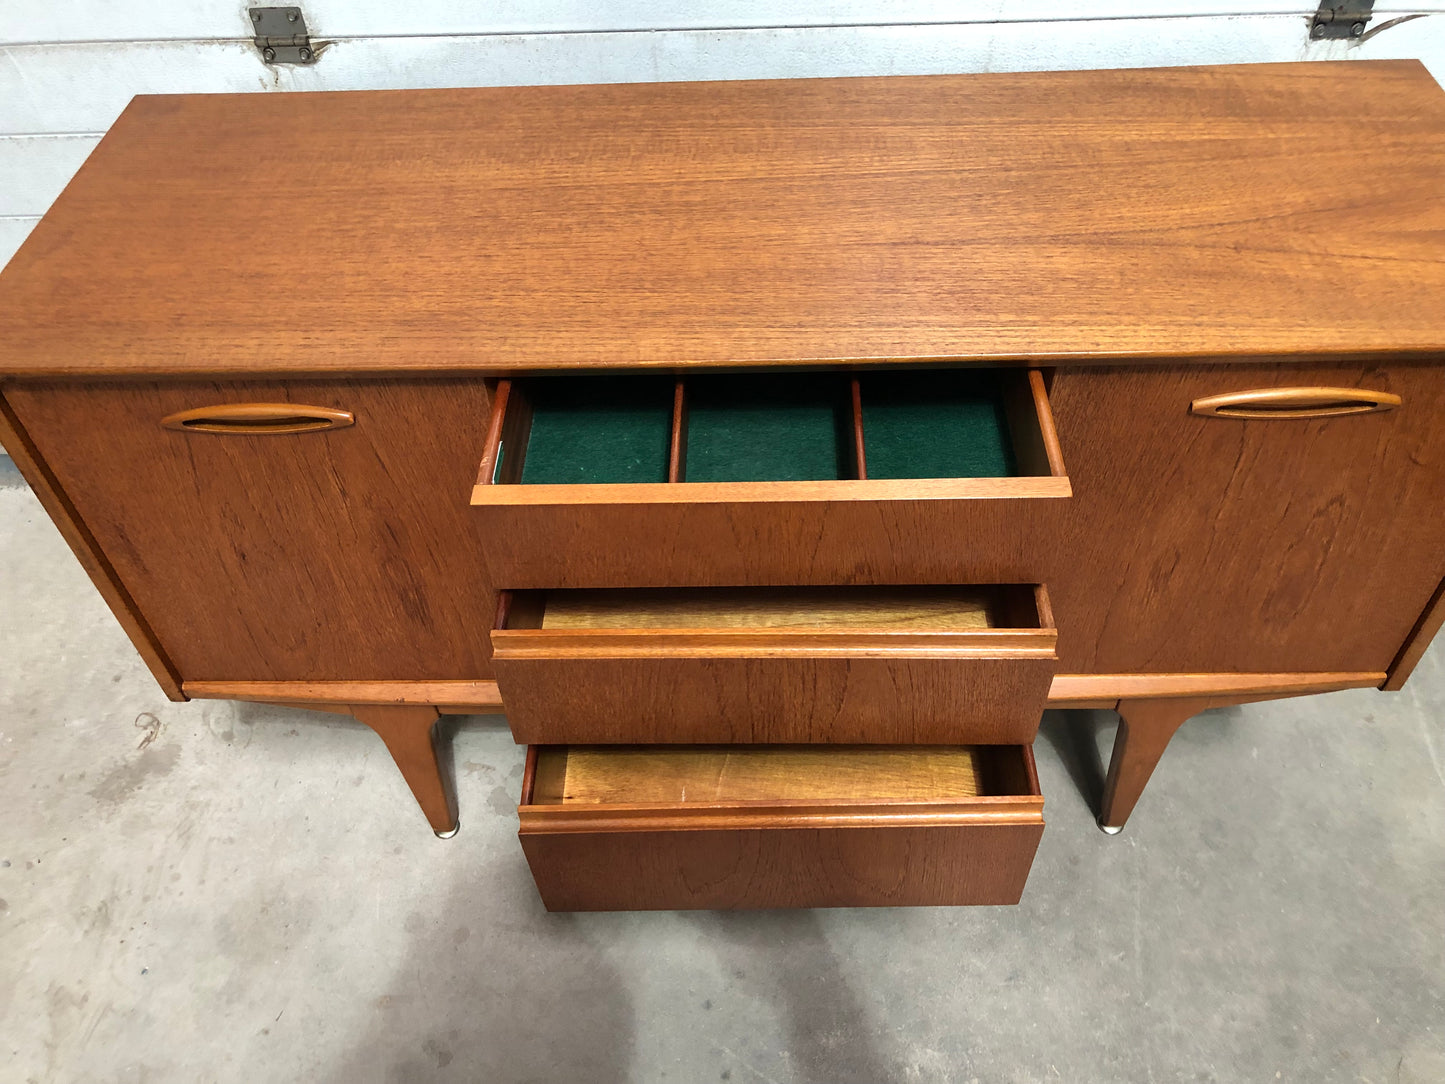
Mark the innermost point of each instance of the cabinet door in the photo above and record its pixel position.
(326, 554)
(1271, 543)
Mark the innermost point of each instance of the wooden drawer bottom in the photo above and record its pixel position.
(614, 828)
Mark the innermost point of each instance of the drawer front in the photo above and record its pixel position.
(899, 482)
(795, 830)
(305, 530)
(930, 665)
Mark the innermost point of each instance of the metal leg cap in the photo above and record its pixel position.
(454, 829)
(1111, 829)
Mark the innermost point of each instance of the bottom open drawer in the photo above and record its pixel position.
(614, 828)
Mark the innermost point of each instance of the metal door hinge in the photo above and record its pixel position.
(1346, 19)
(281, 36)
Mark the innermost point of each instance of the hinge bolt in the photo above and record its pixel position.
(255, 16)
(304, 53)
(1318, 30)
(1356, 29)
(290, 16)
(268, 53)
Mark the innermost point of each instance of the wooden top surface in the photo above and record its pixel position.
(1255, 210)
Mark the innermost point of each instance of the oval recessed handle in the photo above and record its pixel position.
(258, 419)
(1294, 403)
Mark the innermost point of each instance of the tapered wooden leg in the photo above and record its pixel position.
(1145, 727)
(410, 735)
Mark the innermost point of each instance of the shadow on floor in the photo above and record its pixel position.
(451, 1013)
(785, 958)
(1074, 737)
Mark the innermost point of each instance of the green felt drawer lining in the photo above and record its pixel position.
(938, 424)
(749, 428)
(598, 429)
(768, 428)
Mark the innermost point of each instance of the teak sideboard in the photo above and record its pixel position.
(772, 453)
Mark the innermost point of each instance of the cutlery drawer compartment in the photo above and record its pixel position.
(803, 478)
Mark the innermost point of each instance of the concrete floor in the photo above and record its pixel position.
(219, 892)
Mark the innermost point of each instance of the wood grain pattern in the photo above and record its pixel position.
(1200, 212)
(501, 408)
(1068, 688)
(348, 554)
(726, 774)
(776, 683)
(87, 550)
(448, 697)
(1184, 218)
(939, 608)
(1031, 433)
(677, 441)
(773, 643)
(712, 699)
(852, 531)
(1047, 431)
(584, 499)
(258, 419)
(802, 543)
(1153, 706)
(410, 736)
(860, 447)
(756, 853)
(783, 867)
(1145, 727)
(1419, 639)
(1284, 404)
(1031, 427)
(1216, 544)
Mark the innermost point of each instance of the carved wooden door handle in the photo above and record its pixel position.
(253, 419)
(1312, 402)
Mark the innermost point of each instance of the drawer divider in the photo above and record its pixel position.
(677, 446)
(860, 456)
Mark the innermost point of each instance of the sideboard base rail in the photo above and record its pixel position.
(1151, 708)
(447, 697)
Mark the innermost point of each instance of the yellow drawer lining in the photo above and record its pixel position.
(712, 774)
(937, 608)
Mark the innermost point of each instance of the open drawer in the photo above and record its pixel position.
(642, 828)
(814, 478)
(837, 664)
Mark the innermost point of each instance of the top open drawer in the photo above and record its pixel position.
(762, 478)
(602, 440)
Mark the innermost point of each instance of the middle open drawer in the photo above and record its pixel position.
(906, 664)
